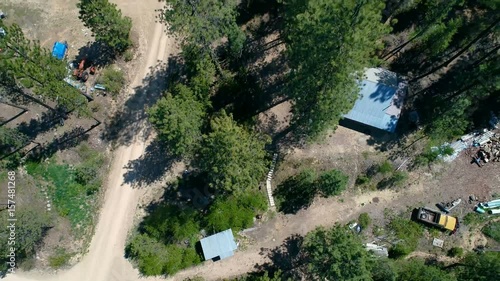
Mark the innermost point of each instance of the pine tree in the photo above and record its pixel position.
(107, 24)
(203, 22)
(328, 45)
(178, 119)
(28, 65)
(232, 157)
(336, 254)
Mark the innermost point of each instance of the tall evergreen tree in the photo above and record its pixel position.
(233, 157)
(336, 254)
(28, 65)
(178, 118)
(328, 45)
(107, 24)
(479, 267)
(202, 22)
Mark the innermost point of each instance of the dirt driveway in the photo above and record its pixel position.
(458, 179)
(105, 260)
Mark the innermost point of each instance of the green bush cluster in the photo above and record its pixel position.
(167, 237)
(364, 220)
(332, 183)
(128, 55)
(60, 258)
(113, 79)
(408, 232)
(362, 179)
(236, 212)
(72, 189)
(396, 179)
(456, 252)
(385, 167)
(432, 155)
(156, 258)
(492, 230)
(473, 219)
(298, 192)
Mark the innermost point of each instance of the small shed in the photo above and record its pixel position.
(59, 50)
(219, 246)
(380, 101)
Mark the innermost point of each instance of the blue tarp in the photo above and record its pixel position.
(59, 50)
(221, 245)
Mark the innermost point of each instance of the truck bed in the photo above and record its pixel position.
(428, 216)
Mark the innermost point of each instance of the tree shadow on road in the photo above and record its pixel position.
(126, 123)
(287, 258)
(150, 167)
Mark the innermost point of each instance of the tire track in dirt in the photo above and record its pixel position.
(105, 260)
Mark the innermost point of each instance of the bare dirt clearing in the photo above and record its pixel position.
(344, 150)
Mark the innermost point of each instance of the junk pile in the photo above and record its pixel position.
(446, 207)
(483, 146)
(491, 207)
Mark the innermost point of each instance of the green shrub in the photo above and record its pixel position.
(332, 183)
(432, 155)
(296, 192)
(113, 79)
(492, 230)
(236, 212)
(149, 254)
(59, 259)
(398, 178)
(400, 250)
(155, 258)
(385, 167)
(362, 179)
(472, 219)
(72, 188)
(172, 224)
(408, 232)
(128, 55)
(27, 83)
(364, 220)
(456, 252)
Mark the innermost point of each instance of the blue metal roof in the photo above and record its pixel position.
(379, 104)
(59, 50)
(220, 245)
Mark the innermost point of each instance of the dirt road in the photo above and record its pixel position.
(105, 260)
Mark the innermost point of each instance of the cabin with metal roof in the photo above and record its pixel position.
(219, 246)
(380, 101)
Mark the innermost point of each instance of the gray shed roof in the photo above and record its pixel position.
(221, 245)
(381, 100)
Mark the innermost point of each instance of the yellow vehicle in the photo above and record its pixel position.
(437, 219)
